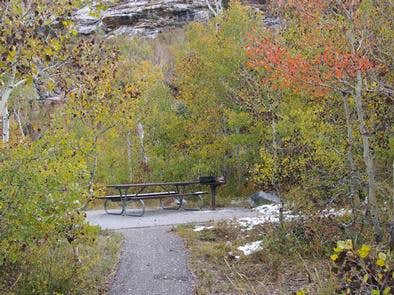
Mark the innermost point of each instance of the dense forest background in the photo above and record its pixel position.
(304, 109)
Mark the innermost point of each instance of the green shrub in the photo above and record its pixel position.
(363, 270)
(42, 187)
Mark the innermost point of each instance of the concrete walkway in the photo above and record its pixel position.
(154, 262)
(165, 217)
(154, 259)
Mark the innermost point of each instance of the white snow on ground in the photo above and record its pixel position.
(336, 213)
(270, 213)
(201, 228)
(250, 248)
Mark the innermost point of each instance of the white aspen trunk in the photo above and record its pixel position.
(237, 155)
(274, 154)
(353, 171)
(18, 119)
(129, 155)
(215, 6)
(272, 108)
(141, 135)
(274, 180)
(11, 85)
(6, 124)
(4, 110)
(368, 159)
(367, 153)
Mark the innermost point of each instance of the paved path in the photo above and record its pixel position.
(165, 217)
(154, 259)
(153, 262)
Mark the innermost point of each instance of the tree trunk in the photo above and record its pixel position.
(11, 85)
(129, 155)
(6, 123)
(353, 172)
(92, 174)
(4, 111)
(19, 120)
(392, 221)
(237, 155)
(368, 159)
(215, 6)
(144, 158)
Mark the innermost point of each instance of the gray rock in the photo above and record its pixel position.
(261, 198)
(148, 18)
(142, 18)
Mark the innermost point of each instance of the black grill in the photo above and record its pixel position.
(212, 180)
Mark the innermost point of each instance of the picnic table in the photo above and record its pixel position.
(175, 190)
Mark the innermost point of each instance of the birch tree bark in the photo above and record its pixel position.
(215, 6)
(368, 159)
(129, 155)
(5, 96)
(355, 47)
(352, 167)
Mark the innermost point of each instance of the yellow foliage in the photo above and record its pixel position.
(364, 251)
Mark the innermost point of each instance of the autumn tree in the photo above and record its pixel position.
(33, 38)
(96, 102)
(218, 133)
(314, 57)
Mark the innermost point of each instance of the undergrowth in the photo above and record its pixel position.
(55, 270)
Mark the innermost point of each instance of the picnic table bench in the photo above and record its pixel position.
(176, 190)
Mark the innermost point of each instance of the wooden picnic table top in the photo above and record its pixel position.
(129, 185)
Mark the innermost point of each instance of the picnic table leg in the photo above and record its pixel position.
(200, 202)
(213, 196)
(179, 199)
(123, 199)
(136, 200)
(108, 212)
(142, 208)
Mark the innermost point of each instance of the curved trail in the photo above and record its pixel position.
(154, 259)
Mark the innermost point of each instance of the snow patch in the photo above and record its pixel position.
(336, 213)
(201, 228)
(250, 248)
(269, 213)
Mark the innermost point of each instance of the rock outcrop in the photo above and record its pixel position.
(147, 18)
(142, 18)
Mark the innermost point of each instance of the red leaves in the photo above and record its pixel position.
(285, 70)
(344, 65)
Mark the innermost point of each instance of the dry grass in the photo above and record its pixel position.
(269, 271)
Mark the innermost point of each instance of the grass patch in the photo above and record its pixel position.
(272, 270)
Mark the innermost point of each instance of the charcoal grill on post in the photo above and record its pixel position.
(213, 182)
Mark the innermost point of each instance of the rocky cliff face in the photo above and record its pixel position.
(142, 18)
(147, 18)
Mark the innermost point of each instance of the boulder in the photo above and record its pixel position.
(262, 198)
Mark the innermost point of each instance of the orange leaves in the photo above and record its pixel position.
(314, 76)
(344, 65)
(283, 69)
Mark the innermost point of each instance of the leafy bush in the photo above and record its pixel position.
(363, 270)
(42, 185)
